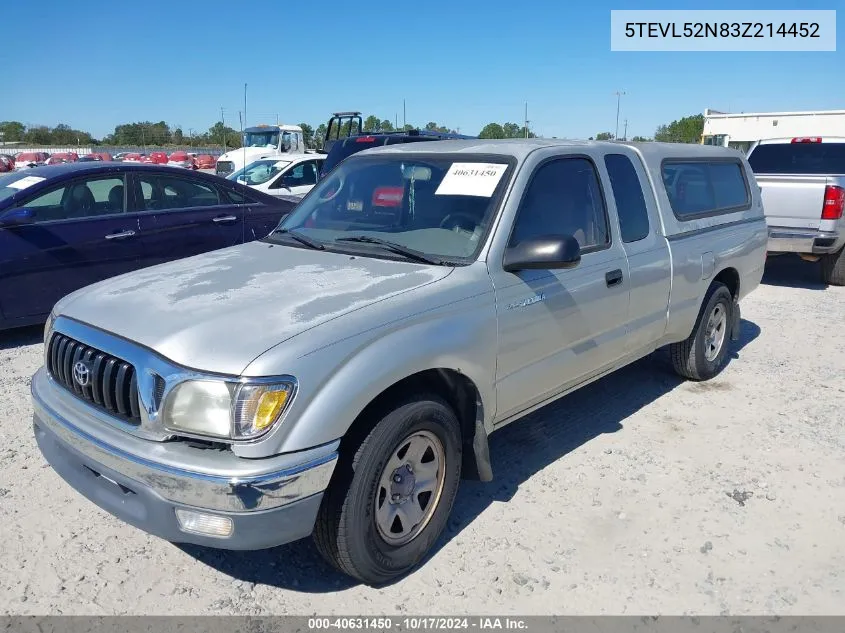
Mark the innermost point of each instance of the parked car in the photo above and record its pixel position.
(157, 158)
(181, 159)
(105, 156)
(67, 226)
(345, 372)
(295, 175)
(803, 183)
(55, 159)
(205, 161)
(133, 157)
(90, 158)
(345, 147)
(28, 160)
(7, 163)
(120, 156)
(67, 157)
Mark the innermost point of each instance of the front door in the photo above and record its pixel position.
(183, 216)
(559, 327)
(81, 235)
(296, 180)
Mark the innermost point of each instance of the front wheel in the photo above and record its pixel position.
(705, 352)
(392, 492)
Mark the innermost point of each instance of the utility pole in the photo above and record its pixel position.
(223, 121)
(625, 133)
(619, 94)
(526, 119)
(243, 124)
(404, 119)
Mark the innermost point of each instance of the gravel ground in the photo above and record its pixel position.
(638, 494)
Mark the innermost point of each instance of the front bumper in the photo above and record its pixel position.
(805, 241)
(265, 508)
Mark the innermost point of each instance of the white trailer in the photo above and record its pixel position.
(741, 130)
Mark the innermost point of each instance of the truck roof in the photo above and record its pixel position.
(520, 148)
(265, 128)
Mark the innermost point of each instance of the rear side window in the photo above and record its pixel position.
(798, 158)
(703, 188)
(628, 193)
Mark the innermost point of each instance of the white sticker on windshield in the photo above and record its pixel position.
(471, 179)
(23, 183)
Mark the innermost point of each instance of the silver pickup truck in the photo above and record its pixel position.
(803, 182)
(342, 375)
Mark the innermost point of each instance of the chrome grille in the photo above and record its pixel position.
(112, 383)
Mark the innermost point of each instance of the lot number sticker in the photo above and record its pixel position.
(471, 179)
(23, 183)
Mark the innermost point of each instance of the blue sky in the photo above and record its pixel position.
(95, 64)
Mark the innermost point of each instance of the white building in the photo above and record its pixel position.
(740, 130)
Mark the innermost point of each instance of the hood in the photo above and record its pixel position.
(251, 154)
(220, 310)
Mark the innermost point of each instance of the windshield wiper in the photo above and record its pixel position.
(302, 239)
(410, 253)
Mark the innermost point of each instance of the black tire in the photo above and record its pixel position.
(346, 533)
(688, 357)
(833, 268)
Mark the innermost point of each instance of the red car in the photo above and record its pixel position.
(62, 157)
(7, 163)
(133, 158)
(157, 158)
(182, 159)
(205, 161)
(105, 156)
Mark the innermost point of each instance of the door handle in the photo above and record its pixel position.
(120, 236)
(224, 218)
(613, 278)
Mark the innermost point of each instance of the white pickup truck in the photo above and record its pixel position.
(262, 141)
(803, 187)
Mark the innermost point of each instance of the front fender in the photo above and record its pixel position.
(338, 381)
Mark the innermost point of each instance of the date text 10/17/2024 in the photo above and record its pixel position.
(421, 623)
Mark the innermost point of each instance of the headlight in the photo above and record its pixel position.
(227, 410)
(49, 325)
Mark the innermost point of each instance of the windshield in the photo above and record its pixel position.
(261, 139)
(27, 157)
(10, 184)
(259, 172)
(798, 158)
(436, 205)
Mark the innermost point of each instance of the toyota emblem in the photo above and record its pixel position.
(81, 374)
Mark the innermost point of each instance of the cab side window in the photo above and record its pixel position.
(84, 198)
(563, 198)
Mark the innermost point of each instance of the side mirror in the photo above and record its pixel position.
(543, 253)
(17, 217)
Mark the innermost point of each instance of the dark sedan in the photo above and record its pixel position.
(66, 226)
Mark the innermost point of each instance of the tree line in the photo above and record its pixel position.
(684, 130)
(687, 129)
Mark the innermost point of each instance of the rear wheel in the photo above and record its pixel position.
(392, 492)
(705, 353)
(833, 268)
